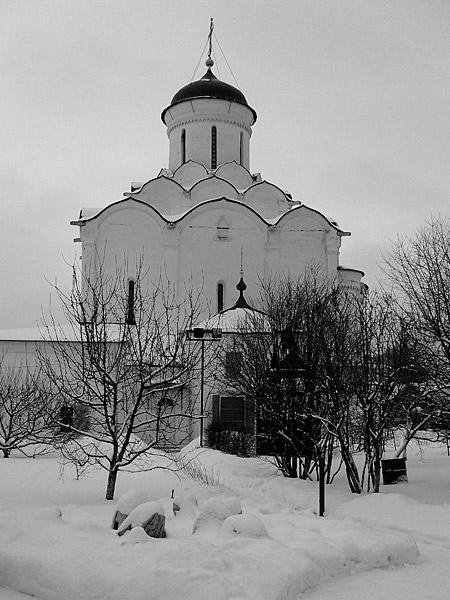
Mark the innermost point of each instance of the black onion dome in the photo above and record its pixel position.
(209, 87)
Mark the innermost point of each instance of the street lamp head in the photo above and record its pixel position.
(198, 333)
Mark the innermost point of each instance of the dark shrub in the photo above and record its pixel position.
(227, 439)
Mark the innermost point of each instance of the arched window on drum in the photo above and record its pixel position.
(220, 296)
(213, 147)
(130, 318)
(183, 146)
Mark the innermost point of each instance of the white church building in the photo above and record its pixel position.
(200, 214)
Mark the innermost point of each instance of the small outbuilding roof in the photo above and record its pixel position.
(240, 318)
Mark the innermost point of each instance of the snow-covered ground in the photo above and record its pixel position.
(56, 539)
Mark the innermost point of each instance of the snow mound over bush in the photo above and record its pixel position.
(132, 498)
(141, 514)
(214, 513)
(61, 561)
(72, 554)
(135, 497)
(246, 525)
(136, 536)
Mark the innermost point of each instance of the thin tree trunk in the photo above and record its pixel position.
(351, 470)
(409, 434)
(306, 468)
(329, 463)
(291, 463)
(376, 468)
(6, 452)
(111, 485)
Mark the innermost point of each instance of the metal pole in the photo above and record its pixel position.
(157, 423)
(321, 485)
(202, 381)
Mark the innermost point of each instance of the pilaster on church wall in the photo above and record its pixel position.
(170, 255)
(272, 258)
(88, 236)
(332, 246)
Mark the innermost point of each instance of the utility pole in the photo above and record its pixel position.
(321, 484)
(203, 335)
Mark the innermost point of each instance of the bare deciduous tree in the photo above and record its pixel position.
(338, 360)
(419, 268)
(280, 375)
(391, 383)
(329, 369)
(26, 410)
(129, 370)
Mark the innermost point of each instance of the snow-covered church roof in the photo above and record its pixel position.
(175, 195)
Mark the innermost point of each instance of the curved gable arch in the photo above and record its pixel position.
(129, 204)
(128, 235)
(267, 198)
(236, 174)
(307, 238)
(310, 216)
(164, 194)
(214, 205)
(212, 187)
(189, 173)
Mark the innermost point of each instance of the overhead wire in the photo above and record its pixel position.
(228, 64)
(212, 51)
(201, 56)
(216, 63)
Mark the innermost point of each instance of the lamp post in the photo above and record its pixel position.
(203, 335)
(291, 366)
(321, 484)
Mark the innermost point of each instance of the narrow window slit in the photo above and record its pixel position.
(220, 296)
(183, 146)
(130, 320)
(213, 147)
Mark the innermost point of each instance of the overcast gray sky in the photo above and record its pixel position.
(352, 99)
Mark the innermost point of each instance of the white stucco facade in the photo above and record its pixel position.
(198, 216)
(196, 223)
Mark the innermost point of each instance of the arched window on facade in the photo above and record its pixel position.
(183, 146)
(130, 320)
(220, 296)
(213, 147)
(241, 148)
